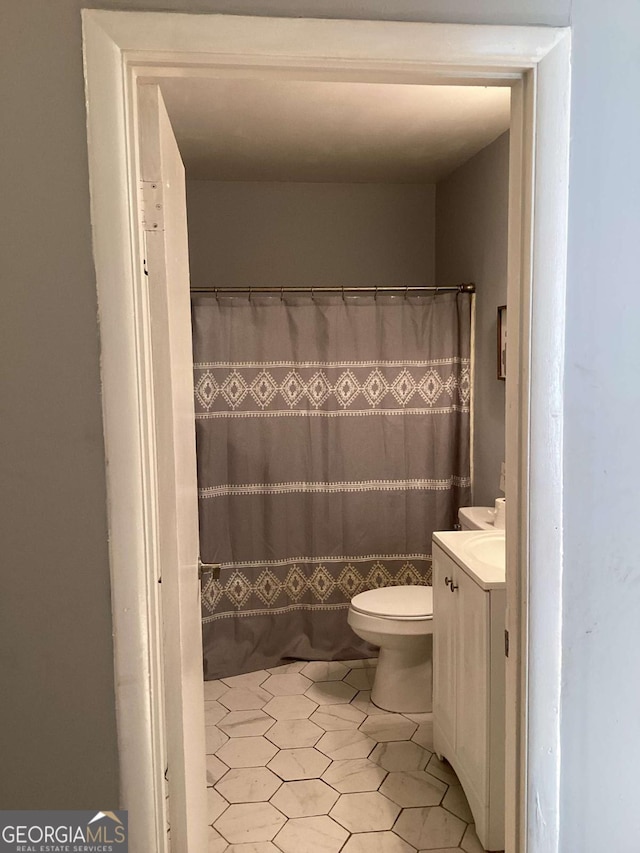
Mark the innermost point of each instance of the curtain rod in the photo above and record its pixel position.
(460, 288)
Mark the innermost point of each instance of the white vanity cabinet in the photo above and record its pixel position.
(469, 679)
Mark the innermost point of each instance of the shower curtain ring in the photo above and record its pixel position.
(375, 294)
(216, 294)
(250, 289)
(406, 291)
(282, 294)
(343, 299)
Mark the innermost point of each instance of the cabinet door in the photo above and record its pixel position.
(444, 630)
(472, 682)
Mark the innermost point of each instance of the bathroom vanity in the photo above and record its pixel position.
(469, 601)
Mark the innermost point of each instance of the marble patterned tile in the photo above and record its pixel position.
(250, 822)
(214, 738)
(424, 735)
(248, 680)
(320, 670)
(305, 798)
(426, 828)
(244, 698)
(213, 713)
(470, 842)
(413, 789)
(388, 727)
(255, 847)
(247, 752)
(330, 692)
(216, 804)
(376, 842)
(215, 842)
(361, 679)
(294, 764)
(354, 775)
(290, 684)
(245, 723)
(285, 668)
(400, 755)
(248, 785)
(214, 690)
(362, 701)
(350, 743)
(442, 770)
(215, 770)
(338, 717)
(367, 812)
(311, 835)
(290, 707)
(456, 802)
(288, 734)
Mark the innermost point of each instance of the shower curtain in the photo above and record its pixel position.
(333, 438)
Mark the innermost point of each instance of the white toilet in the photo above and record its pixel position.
(476, 518)
(398, 619)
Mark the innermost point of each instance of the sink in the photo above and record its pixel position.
(487, 548)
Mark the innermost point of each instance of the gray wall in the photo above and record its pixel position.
(58, 732)
(299, 234)
(471, 245)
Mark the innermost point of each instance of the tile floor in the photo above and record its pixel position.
(300, 761)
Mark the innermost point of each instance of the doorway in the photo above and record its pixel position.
(537, 70)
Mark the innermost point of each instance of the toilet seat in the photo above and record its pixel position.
(401, 603)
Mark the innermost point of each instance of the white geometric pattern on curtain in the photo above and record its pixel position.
(333, 439)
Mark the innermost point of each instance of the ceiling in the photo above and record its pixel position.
(275, 130)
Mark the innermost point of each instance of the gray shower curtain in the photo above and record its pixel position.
(333, 438)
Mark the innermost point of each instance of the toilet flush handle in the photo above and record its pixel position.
(447, 581)
(454, 586)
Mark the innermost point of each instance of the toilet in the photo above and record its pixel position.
(476, 518)
(398, 619)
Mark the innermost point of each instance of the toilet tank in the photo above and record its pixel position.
(476, 517)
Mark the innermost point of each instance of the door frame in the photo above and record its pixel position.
(123, 48)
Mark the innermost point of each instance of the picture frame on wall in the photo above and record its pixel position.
(502, 342)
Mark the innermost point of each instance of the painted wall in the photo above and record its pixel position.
(58, 723)
(471, 245)
(298, 234)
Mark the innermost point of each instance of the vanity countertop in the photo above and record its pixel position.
(479, 553)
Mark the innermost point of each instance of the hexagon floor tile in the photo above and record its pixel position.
(388, 727)
(400, 755)
(412, 789)
(247, 752)
(430, 827)
(345, 744)
(288, 734)
(244, 698)
(376, 842)
(311, 835)
(354, 775)
(248, 785)
(306, 798)
(290, 707)
(305, 763)
(330, 692)
(245, 723)
(248, 822)
(335, 718)
(289, 684)
(294, 764)
(320, 670)
(365, 812)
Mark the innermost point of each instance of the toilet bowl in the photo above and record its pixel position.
(398, 619)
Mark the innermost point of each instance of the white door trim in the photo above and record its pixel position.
(121, 47)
